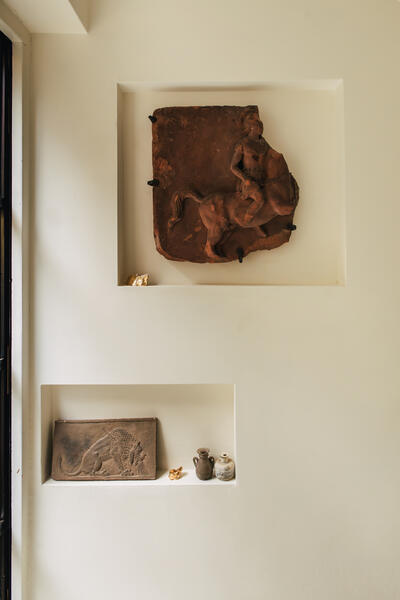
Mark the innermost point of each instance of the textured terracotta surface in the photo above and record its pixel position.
(220, 190)
(104, 449)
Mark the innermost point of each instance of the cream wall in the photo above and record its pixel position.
(315, 511)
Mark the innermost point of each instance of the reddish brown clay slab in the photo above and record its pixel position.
(220, 190)
(119, 449)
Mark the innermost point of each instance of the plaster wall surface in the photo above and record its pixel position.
(315, 511)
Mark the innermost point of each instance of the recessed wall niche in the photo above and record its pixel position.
(189, 417)
(303, 120)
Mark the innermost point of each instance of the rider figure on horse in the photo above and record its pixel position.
(265, 190)
(248, 164)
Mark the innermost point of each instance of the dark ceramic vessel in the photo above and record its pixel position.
(204, 464)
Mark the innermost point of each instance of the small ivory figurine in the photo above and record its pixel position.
(138, 280)
(175, 473)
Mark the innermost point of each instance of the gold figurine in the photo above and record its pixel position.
(138, 280)
(175, 473)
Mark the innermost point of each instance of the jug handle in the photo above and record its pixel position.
(212, 460)
(195, 460)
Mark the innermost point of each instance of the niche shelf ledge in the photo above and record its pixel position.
(188, 478)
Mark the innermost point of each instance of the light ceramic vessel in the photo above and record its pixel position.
(224, 467)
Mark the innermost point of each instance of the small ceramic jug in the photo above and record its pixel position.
(204, 464)
(224, 467)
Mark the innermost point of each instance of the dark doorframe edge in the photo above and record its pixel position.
(5, 314)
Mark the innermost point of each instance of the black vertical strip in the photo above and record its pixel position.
(5, 315)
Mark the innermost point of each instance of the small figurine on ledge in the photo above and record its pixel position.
(138, 280)
(175, 473)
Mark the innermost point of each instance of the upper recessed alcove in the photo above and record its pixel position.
(303, 120)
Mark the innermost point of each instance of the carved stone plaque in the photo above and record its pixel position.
(104, 449)
(220, 190)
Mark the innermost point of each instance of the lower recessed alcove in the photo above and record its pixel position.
(189, 417)
(303, 120)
